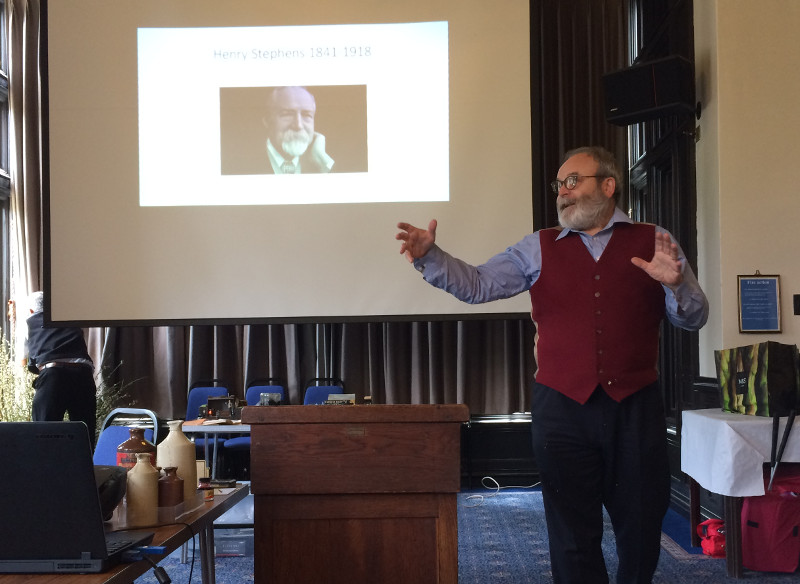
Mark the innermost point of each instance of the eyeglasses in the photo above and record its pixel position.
(571, 181)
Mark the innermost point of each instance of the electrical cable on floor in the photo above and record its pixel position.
(491, 483)
(159, 572)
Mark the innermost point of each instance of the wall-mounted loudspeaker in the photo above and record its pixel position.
(650, 90)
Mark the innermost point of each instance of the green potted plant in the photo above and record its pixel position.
(16, 389)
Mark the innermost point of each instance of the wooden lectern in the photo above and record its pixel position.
(355, 494)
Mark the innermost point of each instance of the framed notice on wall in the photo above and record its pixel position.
(759, 304)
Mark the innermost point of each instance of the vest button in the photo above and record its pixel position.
(597, 294)
(597, 276)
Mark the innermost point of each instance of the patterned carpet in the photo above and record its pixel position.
(503, 540)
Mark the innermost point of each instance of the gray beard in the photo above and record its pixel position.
(583, 215)
(295, 143)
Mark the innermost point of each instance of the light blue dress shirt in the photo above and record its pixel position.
(517, 268)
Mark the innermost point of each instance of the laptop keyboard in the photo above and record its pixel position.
(117, 541)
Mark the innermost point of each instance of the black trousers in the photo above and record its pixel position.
(602, 453)
(61, 390)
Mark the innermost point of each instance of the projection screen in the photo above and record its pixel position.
(163, 204)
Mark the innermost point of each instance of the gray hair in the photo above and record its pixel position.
(36, 302)
(275, 90)
(607, 165)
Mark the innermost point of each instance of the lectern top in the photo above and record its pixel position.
(362, 414)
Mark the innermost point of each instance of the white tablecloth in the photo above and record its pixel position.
(725, 452)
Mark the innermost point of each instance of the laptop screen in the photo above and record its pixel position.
(50, 516)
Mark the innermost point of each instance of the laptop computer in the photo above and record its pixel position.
(50, 515)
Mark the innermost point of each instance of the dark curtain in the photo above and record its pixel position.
(573, 43)
(487, 364)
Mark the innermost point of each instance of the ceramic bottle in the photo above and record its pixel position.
(142, 492)
(178, 451)
(170, 488)
(126, 452)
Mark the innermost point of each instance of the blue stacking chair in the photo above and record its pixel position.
(112, 435)
(252, 397)
(198, 396)
(319, 388)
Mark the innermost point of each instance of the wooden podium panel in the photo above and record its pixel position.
(356, 494)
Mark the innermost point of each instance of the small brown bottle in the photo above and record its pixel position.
(170, 488)
(206, 488)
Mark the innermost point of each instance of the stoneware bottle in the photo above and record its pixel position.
(178, 451)
(170, 488)
(126, 452)
(142, 494)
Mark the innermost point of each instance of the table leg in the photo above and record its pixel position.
(212, 571)
(694, 511)
(205, 450)
(207, 554)
(733, 536)
(214, 458)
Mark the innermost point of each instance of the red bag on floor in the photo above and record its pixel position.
(771, 524)
(712, 537)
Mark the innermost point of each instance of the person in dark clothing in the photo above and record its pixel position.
(65, 382)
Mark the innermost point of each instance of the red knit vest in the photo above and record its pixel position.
(597, 323)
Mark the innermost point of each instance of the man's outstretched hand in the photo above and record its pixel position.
(416, 242)
(664, 267)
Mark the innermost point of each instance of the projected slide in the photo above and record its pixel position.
(248, 161)
(293, 114)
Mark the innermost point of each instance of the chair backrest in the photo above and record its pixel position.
(272, 384)
(317, 394)
(112, 435)
(199, 396)
(253, 395)
(319, 388)
(136, 413)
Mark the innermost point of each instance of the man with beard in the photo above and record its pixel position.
(293, 147)
(600, 286)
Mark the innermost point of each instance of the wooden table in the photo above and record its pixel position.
(199, 521)
(725, 453)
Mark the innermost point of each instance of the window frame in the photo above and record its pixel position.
(5, 176)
